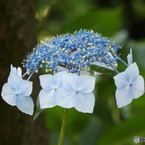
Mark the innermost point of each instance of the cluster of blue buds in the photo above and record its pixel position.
(74, 52)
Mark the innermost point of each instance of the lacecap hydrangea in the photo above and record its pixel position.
(67, 56)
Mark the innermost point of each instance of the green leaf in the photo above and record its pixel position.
(97, 21)
(102, 70)
(92, 73)
(103, 112)
(92, 132)
(39, 110)
(125, 131)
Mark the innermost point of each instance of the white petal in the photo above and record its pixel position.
(138, 87)
(25, 104)
(69, 81)
(60, 68)
(58, 78)
(132, 71)
(25, 88)
(65, 98)
(123, 97)
(84, 72)
(13, 69)
(130, 58)
(17, 71)
(8, 94)
(49, 45)
(86, 83)
(121, 80)
(14, 80)
(46, 81)
(49, 82)
(102, 64)
(84, 102)
(47, 98)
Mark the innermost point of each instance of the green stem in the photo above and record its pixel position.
(63, 126)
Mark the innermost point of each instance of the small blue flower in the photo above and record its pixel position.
(76, 91)
(50, 85)
(16, 92)
(130, 85)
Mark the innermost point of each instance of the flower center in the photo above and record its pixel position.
(77, 91)
(17, 94)
(130, 85)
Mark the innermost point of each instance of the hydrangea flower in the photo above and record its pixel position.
(50, 85)
(76, 91)
(130, 85)
(16, 92)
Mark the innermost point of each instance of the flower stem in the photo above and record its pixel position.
(63, 126)
(123, 61)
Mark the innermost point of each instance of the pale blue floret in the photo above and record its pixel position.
(76, 91)
(16, 92)
(50, 85)
(130, 85)
(74, 52)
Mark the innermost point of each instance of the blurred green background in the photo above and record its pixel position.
(124, 22)
(121, 20)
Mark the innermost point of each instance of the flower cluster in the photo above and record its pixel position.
(67, 90)
(74, 52)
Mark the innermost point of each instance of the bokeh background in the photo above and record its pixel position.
(23, 24)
